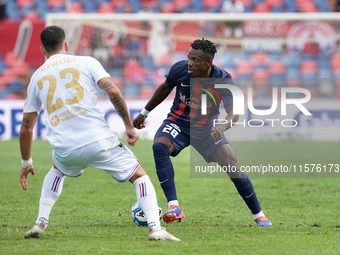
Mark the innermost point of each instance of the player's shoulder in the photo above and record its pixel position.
(220, 72)
(179, 68)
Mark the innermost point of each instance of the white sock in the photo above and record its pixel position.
(147, 200)
(51, 190)
(260, 214)
(173, 202)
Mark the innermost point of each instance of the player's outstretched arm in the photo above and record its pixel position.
(118, 102)
(218, 131)
(158, 97)
(25, 140)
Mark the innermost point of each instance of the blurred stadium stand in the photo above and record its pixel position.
(137, 74)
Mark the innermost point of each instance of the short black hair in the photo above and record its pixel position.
(206, 46)
(52, 38)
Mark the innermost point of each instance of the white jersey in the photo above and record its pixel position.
(66, 86)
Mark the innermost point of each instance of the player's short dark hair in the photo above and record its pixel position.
(206, 46)
(52, 38)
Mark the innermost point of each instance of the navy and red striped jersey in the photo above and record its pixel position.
(188, 99)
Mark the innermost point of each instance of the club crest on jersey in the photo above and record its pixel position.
(55, 121)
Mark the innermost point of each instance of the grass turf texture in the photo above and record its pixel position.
(92, 215)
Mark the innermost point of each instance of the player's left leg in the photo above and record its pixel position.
(225, 156)
(50, 192)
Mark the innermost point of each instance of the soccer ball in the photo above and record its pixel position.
(138, 215)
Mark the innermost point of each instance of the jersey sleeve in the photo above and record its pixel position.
(169, 81)
(98, 71)
(226, 95)
(33, 103)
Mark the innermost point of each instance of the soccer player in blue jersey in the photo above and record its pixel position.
(185, 125)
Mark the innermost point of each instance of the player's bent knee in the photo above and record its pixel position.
(160, 149)
(139, 173)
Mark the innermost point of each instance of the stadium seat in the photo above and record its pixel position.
(259, 8)
(53, 3)
(60, 9)
(308, 7)
(292, 73)
(274, 3)
(9, 75)
(146, 61)
(22, 3)
(228, 61)
(261, 79)
(335, 61)
(26, 9)
(12, 11)
(277, 67)
(308, 67)
(212, 5)
(105, 7)
(293, 60)
(277, 9)
(254, 2)
(244, 68)
(260, 58)
(89, 6)
(75, 7)
(325, 73)
(197, 6)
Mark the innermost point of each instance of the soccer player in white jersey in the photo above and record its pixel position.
(77, 131)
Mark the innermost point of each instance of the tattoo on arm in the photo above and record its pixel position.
(107, 85)
(121, 108)
(25, 122)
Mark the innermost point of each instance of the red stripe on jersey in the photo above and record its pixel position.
(203, 119)
(195, 95)
(179, 112)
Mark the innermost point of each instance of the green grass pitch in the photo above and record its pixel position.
(92, 215)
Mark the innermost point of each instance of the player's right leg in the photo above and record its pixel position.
(50, 192)
(170, 139)
(147, 200)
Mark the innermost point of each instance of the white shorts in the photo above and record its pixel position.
(108, 154)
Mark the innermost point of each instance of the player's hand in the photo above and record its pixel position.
(23, 175)
(138, 122)
(217, 132)
(131, 136)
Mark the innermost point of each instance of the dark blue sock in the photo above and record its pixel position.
(165, 170)
(247, 192)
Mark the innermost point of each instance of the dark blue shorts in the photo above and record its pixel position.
(179, 135)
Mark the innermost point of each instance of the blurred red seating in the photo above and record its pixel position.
(277, 67)
(274, 2)
(260, 79)
(261, 7)
(54, 3)
(308, 67)
(75, 7)
(244, 67)
(260, 58)
(105, 7)
(21, 3)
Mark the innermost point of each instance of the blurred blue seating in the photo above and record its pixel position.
(293, 60)
(292, 73)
